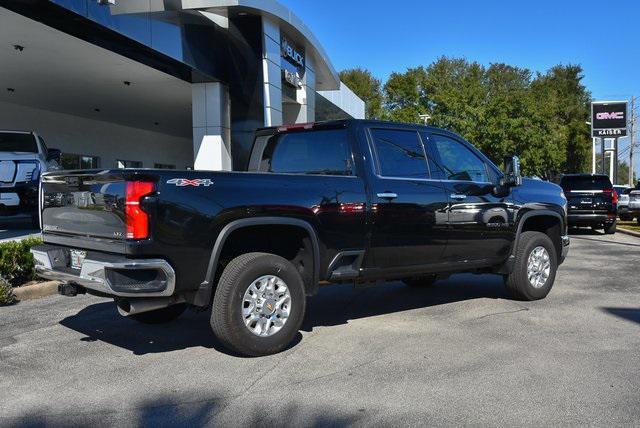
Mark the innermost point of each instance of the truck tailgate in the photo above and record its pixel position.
(84, 204)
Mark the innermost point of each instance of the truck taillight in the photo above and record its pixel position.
(614, 195)
(136, 219)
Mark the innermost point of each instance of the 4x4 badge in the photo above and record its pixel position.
(183, 182)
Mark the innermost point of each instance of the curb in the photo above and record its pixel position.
(629, 232)
(36, 291)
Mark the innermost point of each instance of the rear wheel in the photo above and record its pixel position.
(161, 316)
(259, 304)
(610, 229)
(534, 269)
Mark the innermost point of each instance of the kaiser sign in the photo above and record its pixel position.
(609, 119)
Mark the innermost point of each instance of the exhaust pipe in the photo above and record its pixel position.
(128, 307)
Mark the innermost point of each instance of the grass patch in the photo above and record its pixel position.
(629, 225)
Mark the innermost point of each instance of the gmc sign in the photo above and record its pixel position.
(609, 119)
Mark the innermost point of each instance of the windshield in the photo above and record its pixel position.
(16, 142)
(586, 182)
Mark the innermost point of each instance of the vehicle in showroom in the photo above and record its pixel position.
(623, 202)
(592, 201)
(348, 201)
(24, 156)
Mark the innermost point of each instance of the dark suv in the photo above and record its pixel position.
(592, 201)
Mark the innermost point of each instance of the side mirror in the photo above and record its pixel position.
(512, 176)
(54, 154)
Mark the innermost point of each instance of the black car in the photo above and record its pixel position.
(592, 201)
(337, 202)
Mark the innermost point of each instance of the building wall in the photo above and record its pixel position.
(108, 141)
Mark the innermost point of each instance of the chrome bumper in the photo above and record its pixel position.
(92, 274)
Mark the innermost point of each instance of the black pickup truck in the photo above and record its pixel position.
(335, 202)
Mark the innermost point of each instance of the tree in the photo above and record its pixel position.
(367, 87)
(566, 100)
(502, 109)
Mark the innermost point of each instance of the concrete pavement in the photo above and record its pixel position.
(460, 353)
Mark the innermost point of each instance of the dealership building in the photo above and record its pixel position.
(161, 83)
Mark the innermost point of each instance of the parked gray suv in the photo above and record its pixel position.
(23, 157)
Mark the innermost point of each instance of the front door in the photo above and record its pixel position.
(481, 223)
(409, 209)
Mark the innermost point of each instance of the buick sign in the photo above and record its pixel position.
(609, 119)
(291, 52)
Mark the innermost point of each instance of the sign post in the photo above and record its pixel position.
(609, 120)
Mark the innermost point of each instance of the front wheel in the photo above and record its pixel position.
(535, 267)
(259, 304)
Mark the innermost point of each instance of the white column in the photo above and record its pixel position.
(272, 72)
(594, 142)
(306, 96)
(211, 126)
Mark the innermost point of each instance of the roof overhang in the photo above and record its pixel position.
(327, 78)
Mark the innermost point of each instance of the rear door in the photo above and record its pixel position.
(481, 224)
(408, 206)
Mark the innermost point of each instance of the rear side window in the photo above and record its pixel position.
(399, 153)
(321, 152)
(586, 182)
(16, 142)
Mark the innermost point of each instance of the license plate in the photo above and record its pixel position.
(77, 257)
(586, 201)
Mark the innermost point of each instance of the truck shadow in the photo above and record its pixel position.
(629, 314)
(333, 305)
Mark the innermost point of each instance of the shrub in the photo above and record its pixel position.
(16, 262)
(6, 293)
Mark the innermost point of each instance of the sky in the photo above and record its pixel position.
(387, 36)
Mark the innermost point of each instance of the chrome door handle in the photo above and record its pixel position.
(458, 196)
(387, 195)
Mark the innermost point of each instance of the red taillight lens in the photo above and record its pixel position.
(614, 195)
(137, 220)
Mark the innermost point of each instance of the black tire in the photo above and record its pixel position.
(638, 220)
(517, 282)
(611, 229)
(161, 316)
(420, 281)
(227, 321)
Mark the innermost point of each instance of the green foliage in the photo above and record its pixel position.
(6, 293)
(502, 109)
(16, 262)
(367, 87)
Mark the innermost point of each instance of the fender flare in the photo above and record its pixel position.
(528, 215)
(263, 221)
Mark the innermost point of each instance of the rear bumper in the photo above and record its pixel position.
(584, 219)
(110, 275)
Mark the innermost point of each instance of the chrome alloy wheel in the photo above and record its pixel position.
(266, 305)
(538, 267)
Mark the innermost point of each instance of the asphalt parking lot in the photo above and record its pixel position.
(459, 353)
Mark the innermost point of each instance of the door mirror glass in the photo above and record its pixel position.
(53, 155)
(512, 176)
